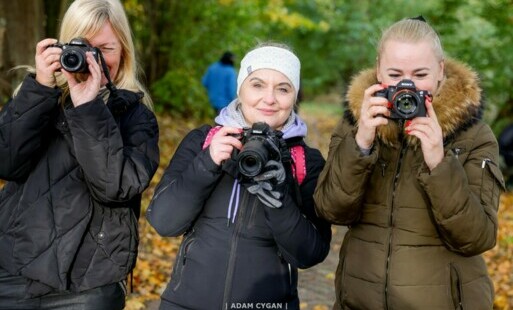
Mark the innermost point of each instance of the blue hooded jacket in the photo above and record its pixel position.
(220, 80)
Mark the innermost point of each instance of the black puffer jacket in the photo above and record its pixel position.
(68, 216)
(250, 256)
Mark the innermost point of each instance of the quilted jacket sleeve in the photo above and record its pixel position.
(302, 237)
(464, 195)
(23, 124)
(118, 160)
(341, 185)
(188, 180)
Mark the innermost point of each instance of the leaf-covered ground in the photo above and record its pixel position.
(499, 258)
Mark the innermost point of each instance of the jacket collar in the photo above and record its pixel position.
(457, 102)
(122, 100)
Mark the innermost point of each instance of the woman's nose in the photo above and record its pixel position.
(269, 97)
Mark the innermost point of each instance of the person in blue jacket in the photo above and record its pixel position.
(220, 82)
(244, 237)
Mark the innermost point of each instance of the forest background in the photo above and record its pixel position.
(176, 40)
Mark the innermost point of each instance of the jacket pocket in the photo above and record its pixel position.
(288, 280)
(181, 259)
(492, 182)
(117, 235)
(456, 289)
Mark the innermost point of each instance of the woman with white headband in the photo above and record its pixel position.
(241, 193)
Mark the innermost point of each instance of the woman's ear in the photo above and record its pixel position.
(378, 74)
(441, 74)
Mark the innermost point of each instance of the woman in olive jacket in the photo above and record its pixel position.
(245, 236)
(77, 152)
(418, 193)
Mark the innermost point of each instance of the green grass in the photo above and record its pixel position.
(312, 107)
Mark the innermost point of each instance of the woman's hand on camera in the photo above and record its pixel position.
(429, 132)
(84, 91)
(223, 142)
(372, 114)
(47, 62)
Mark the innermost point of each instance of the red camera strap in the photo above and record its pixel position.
(210, 134)
(297, 152)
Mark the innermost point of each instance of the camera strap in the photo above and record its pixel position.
(110, 86)
(297, 152)
(210, 134)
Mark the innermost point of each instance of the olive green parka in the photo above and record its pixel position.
(415, 236)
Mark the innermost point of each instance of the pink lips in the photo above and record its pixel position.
(267, 112)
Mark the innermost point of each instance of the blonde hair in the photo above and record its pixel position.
(85, 18)
(412, 31)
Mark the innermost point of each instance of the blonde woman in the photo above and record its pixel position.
(79, 146)
(412, 171)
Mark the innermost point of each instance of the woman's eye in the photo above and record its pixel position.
(257, 85)
(394, 76)
(421, 75)
(107, 50)
(283, 90)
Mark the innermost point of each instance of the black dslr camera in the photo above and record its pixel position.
(407, 101)
(73, 57)
(260, 144)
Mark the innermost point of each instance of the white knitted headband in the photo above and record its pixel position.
(270, 57)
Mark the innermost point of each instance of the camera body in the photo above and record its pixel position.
(73, 57)
(407, 102)
(260, 144)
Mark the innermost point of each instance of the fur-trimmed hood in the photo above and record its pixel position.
(457, 102)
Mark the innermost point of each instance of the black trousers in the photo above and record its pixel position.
(12, 297)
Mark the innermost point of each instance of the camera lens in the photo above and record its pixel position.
(73, 61)
(253, 157)
(406, 104)
(250, 164)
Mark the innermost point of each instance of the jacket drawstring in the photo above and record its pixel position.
(235, 194)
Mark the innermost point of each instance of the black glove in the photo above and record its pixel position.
(267, 185)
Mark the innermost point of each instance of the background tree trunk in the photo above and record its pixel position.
(23, 23)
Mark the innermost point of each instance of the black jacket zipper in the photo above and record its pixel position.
(240, 219)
